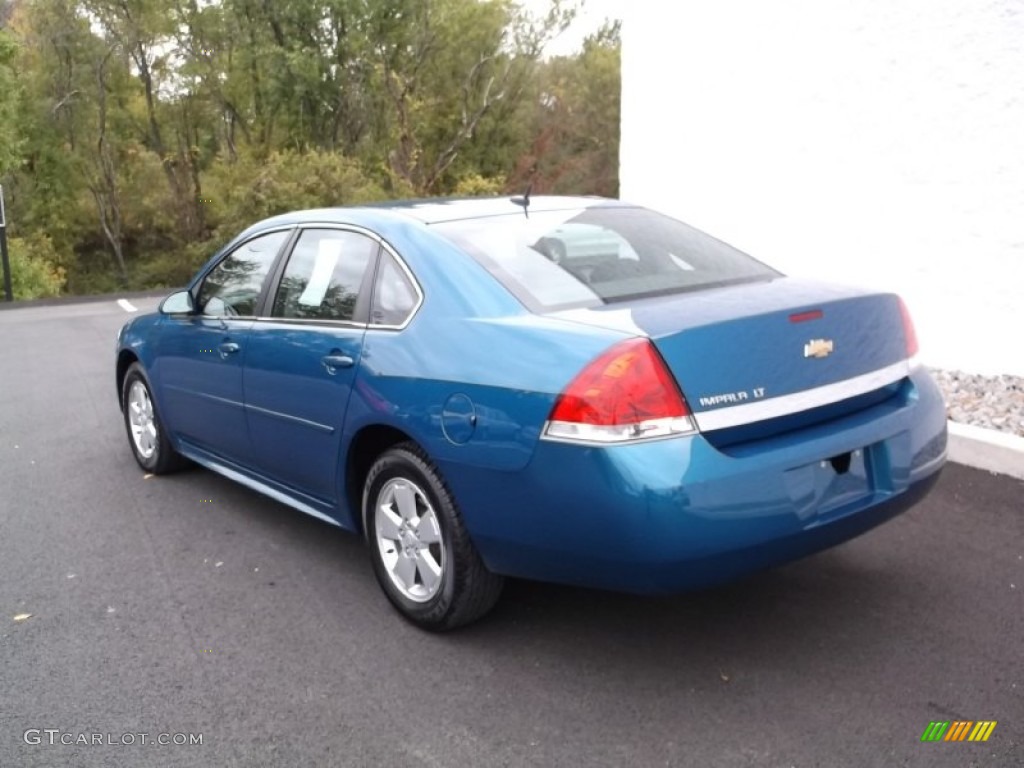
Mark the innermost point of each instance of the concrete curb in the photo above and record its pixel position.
(980, 448)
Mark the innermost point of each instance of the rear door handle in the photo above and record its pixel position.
(333, 362)
(228, 348)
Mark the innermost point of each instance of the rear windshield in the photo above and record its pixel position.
(587, 257)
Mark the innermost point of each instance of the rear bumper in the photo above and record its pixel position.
(775, 550)
(678, 514)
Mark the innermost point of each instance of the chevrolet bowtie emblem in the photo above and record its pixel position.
(818, 348)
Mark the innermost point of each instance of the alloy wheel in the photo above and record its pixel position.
(141, 420)
(409, 539)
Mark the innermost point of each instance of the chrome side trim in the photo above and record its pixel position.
(387, 247)
(355, 228)
(415, 284)
(259, 487)
(224, 253)
(319, 322)
(748, 413)
(326, 428)
(206, 396)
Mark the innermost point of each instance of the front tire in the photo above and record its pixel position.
(146, 434)
(421, 552)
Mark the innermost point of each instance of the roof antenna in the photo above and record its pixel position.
(525, 199)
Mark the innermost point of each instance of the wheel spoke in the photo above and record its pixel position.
(428, 531)
(406, 499)
(429, 570)
(405, 571)
(387, 523)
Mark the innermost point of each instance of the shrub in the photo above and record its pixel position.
(166, 270)
(475, 185)
(34, 273)
(248, 189)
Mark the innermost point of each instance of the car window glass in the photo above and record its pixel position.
(394, 296)
(324, 275)
(600, 255)
(234, 285)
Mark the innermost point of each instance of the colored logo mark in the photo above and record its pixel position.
(819, 348)
(959, 730)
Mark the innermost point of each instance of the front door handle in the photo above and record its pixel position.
(228, 348)
(333, 362)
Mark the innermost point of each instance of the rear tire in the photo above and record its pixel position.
(146, 434)
(421, 552)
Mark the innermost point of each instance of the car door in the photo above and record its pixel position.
(301, 361)
(199, 370)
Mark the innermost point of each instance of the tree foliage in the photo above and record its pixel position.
(139, 135)
(33, 274)
(10, 98)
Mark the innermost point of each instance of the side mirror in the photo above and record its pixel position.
(179, 303)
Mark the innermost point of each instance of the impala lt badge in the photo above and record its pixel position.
(818, 348)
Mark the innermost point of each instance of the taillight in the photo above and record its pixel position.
(627, 393)
(909, 334)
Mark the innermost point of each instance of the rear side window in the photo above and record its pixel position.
(588, 257)
(394, 297)
(324, 277)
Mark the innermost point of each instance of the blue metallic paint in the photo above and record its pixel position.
(664, 515)
(742, 328)
(295, 408)
(651, 516)
(200, 389)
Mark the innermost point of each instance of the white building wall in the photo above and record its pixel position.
(865, 141)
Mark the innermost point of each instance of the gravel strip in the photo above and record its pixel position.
(994, 402)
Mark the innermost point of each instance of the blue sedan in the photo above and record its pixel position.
(573, 390)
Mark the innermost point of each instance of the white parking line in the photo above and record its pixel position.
(126, 305)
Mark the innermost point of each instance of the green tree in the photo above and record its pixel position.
(575, 121)
(444, 66)
(138, 135)
(10, 103)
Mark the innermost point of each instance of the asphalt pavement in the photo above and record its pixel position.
(190, 608)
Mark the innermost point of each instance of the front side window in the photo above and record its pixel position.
(324, 276)
(601, 255)
(234, 285)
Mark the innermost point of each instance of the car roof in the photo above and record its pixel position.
(435, 210)
(438, 209)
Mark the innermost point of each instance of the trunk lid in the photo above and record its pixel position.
(759, 351)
